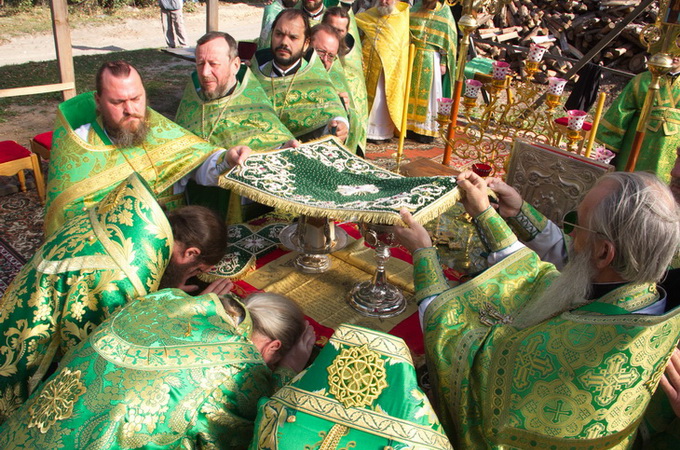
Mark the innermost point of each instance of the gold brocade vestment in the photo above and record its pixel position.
(385, 49)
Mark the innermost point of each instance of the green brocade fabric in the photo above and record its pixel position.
(337, 74)
(662, 137)
(305, 101)
(578, 380)
(168, 371)
(354, 74)
(245, 247)
(322, 179)
(91, 266)
(360, 392)
(432, 30)
(82, 173)
(246, 117)
(268, 15)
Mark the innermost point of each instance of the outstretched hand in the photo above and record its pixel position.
(509, 200)
(476, 199)
(291, 143)
(414, 235)
(297, 357)
(670, 381)
(237, 155)
(219, 287)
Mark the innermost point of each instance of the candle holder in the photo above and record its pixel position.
(315, 239)
(534, 58)
(472, 90)
(377, 297)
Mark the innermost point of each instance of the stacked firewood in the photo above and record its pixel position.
(575, 28)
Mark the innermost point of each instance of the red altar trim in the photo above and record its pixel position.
(408, 329)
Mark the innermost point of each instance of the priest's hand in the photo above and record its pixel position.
(509, 200)
(341, 129)
(414, 236)
(237, 155)
(297, 357)
(670, 381)
(220, 287)
(344, 96)
(476, 198)
(292, 143)
(442, 68)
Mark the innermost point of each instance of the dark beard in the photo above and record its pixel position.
(125, 138)
(174, 275)
(287, 62)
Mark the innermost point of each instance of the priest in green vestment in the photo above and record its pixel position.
(101, 138)
(167, 371)
(662, 135)
(224, 104)
(297, 83)
(360, 392)
(345, 24)
(90, 267)
(326, 43)
(525, 356)
(433, 31)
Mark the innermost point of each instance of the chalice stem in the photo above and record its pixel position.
(382, 254)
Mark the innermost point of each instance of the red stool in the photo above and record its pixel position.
(14, 158)
(41, 144)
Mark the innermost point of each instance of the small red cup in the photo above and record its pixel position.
(481, 169)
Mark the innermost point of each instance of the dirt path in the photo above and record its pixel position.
(23, 122)
(240, 20)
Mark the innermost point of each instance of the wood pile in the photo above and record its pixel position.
(575, 26)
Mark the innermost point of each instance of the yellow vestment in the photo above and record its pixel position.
(385, 48)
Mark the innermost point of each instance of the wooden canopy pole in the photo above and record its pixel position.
(212, 20)
(467, 25)
(62, 45)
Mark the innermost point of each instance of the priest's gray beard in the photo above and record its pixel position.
(385, 10)
(569, 290)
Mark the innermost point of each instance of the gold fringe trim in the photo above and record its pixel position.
(434, 210)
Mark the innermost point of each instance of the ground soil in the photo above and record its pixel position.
(241, 20)
(23, 122)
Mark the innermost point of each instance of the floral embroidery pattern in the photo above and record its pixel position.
(358, 190)
(323, 179)
(56, 400)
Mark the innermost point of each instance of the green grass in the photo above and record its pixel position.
(164, 78)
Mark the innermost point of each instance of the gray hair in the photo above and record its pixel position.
(277, 317)
(640, 217)
(212, 35)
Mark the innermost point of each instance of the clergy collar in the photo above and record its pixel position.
(316, 14)
(279, 72)
(601, 289)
